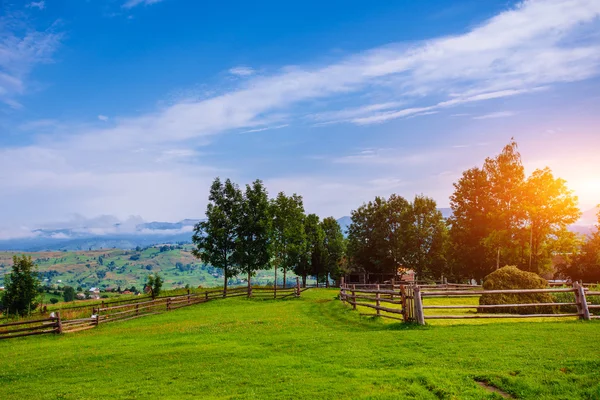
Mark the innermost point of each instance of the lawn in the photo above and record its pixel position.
(308, 348)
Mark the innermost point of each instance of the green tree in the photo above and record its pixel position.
(215, 238)
(550, 208)
(253, 249)
(154, 284)
(425, 239)
(585, 265)
(21, 287)
(334, 248)
(288, 236)
(68, 293)
(314, 255)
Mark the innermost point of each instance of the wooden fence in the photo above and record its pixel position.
(43, 326)
(108, 312)
(412, 309)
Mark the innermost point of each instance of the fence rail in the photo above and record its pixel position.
(30, 328)
(411, 297)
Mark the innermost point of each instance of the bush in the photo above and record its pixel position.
(54, 300)
(510, 277)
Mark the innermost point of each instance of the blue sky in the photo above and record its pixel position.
(131, 108)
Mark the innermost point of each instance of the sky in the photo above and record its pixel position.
(127, 108)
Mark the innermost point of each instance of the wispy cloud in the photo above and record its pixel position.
(102, 117)
(498, 114)
(21, 49)
(241, 71)
(266, 128)
(37, 4)
(134, 3)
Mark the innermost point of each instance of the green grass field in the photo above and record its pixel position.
(308, 348)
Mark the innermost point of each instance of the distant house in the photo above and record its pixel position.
(127, 292)
(1, 288)
(80, 296)
(94, 296)
(94, 290)
(358, 275)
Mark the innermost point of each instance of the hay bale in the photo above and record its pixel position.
(510, 277)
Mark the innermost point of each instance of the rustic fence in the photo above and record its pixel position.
(409, 298)
(108, 312)
(43, 326)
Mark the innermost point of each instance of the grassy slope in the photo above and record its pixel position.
(306, 348)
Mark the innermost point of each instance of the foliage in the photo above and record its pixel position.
(386, 235)
(154, 284)
(253, 229)
(334, 247)
(54, 300)
(502, 217)
(311, 260)
(68, 293)
(585, 266)
(511, 277)
(21, 287)
(288, 236)
(215, 238)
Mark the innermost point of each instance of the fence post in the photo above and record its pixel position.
(188, 298)
(418, 306)
(377, 297)
(58, 323)
(137, 309)
(206, 295)
(342, 294)
(97, 322)
(168, 304)
(582, 306)
(353, 298)
(393, 287)
(403, 299)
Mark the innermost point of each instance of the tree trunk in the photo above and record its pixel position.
(284, 274)
(304, 279)
(327, 281)
(225, 282)
(317, 279)
(249, 285)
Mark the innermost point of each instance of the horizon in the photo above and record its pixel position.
(130, 109)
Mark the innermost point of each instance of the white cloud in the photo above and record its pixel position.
(39, 5)
(498, 114)
(102, 117)
(266, 128)
(242, 71)
(134, 3)
(21, 49)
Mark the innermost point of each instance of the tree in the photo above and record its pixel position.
(154, 284)
(585, 266)
(21, 287)
(377, 235)
(288, 236)
(550, 208)
(425, 239)
(215, 238)
(334, 248)
(314, 249)
(253, 249)
(68, 293)
(502, 218)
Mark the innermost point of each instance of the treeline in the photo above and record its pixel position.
(245, 231)
(500, 216)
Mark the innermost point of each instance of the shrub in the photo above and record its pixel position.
(54, 300)
(510, 277)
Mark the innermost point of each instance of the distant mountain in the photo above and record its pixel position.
(589, 217)
(344, 224)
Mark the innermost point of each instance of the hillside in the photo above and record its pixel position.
(126, 268)
(308, 348)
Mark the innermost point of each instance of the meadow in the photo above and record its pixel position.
(305, 348)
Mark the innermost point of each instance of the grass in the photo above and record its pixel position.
(308, 348)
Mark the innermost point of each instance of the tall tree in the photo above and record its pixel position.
(333, 248)
(253, 249)
(469, 226)
(215, 238)
(314, 245)
(425, 239)
(288, 235)
(21, 287)
(550, 208)
(585, 265)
